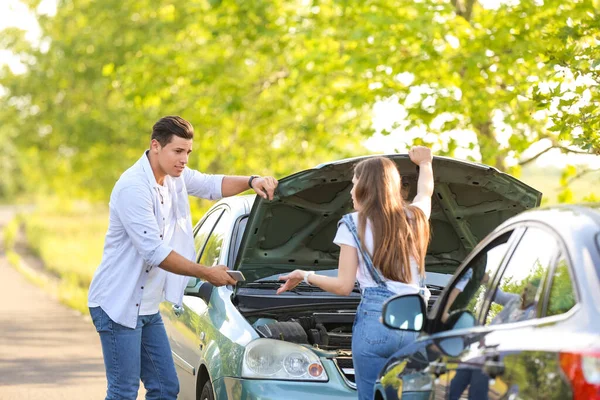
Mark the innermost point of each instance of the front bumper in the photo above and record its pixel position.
(230, 388)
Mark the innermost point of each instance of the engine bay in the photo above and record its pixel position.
(325, 330)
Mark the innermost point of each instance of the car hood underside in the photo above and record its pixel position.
(296, 229)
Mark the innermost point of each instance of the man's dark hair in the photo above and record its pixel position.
(168, 126)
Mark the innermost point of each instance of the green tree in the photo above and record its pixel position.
(278, 86)
(503, 74)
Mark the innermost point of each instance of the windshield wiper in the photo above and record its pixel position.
(265, 282)
(301, 287)
(269, 284)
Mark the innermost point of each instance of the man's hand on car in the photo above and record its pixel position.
(265, 186)
(217, 275)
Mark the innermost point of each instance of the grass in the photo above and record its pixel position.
(70, 242)
(10, 233)
(15, 260)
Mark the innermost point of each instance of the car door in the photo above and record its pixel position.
(452, 341)
(425, 370)
(180, 322)
(519, 351)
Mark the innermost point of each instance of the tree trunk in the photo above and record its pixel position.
(464, 8)
(489, 146)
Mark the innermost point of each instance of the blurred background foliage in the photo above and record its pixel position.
(277, 86)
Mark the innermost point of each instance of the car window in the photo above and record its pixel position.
(212, 249)
(517, 294)
(468, 292)
(204, 231)
(562, 294)
(241, 227)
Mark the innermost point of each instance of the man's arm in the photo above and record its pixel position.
(214, 187)
(180, 265)
(503, 298)
(263, 186)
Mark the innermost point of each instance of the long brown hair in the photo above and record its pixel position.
(399, 230)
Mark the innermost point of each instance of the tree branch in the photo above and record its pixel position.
(553, 146)
(581, 174)
(569, 150)
(531, 159)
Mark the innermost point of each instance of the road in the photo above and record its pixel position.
(47, 351)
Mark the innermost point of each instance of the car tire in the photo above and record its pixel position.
(207, 392)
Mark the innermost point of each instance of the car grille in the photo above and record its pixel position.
(346, 367)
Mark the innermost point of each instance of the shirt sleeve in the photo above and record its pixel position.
(201, 185)
(344, 236)
(135, 209)
(503, 298)
(424, 205)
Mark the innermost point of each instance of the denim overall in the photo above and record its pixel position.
(372, 342)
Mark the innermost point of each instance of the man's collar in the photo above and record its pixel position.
(145, 162)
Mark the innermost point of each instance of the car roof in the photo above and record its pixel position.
(559, 214)
(240, 204)
(578, 226)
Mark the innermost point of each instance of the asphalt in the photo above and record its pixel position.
(47, 351)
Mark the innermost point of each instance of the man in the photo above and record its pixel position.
(149, 255)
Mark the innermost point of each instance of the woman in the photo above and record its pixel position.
(388, 259)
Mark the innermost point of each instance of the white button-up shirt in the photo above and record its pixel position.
(134, 241)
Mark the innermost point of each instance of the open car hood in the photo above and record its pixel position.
(296, 229)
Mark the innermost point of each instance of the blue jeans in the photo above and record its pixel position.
(372, 342)
(133, 354)
(477, 381)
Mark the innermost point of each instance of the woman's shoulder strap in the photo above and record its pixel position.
(348, 220)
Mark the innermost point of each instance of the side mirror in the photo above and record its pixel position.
(405, 312)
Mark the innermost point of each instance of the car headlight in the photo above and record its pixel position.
(276, 359)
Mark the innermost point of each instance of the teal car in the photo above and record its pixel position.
(247, 342)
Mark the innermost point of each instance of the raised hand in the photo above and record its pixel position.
(420, 155)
